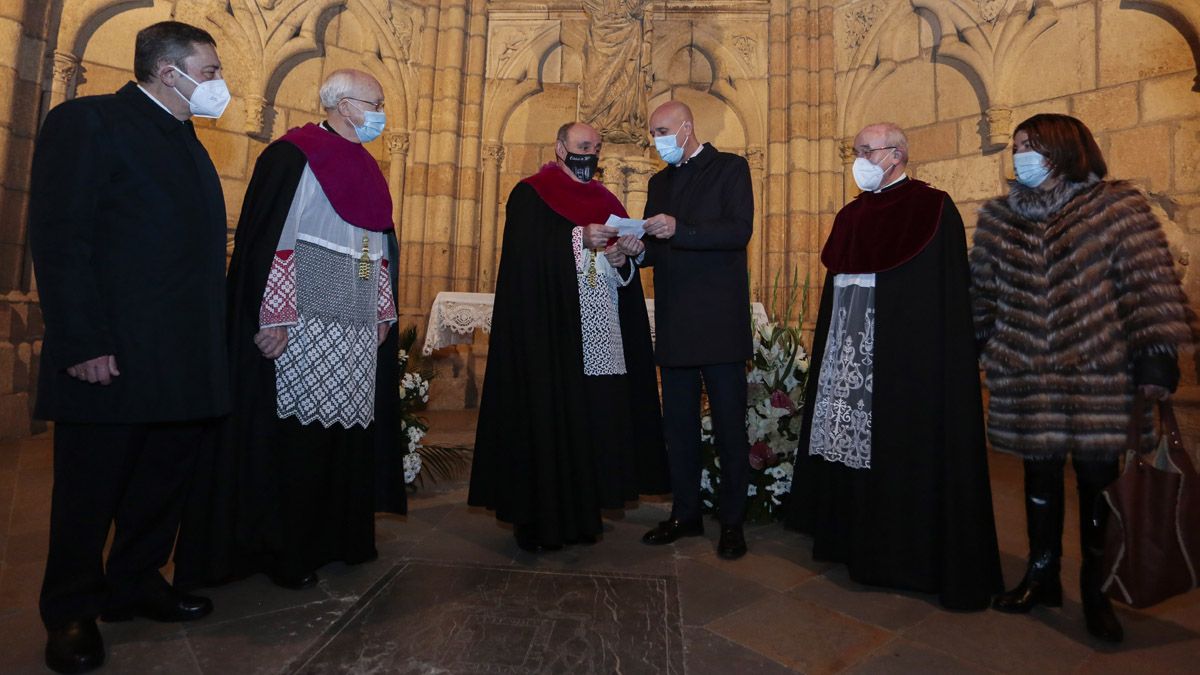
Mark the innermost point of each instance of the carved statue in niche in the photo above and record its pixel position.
(616, 70)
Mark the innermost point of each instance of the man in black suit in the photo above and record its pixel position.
(127, 229)
(701, 212)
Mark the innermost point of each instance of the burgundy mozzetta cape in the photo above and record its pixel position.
(881, 231)
(580, 203)
(348, 174)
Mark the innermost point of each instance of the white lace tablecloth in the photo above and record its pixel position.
(454, 317)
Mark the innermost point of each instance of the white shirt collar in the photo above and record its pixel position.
(156, 101)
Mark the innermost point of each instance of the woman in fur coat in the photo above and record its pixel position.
(1077, 306)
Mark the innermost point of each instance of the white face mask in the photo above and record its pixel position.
(209, 99)
(868, 176)
(1030, 167)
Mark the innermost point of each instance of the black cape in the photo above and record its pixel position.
(921, 517)
(231, 521)
(534, 462)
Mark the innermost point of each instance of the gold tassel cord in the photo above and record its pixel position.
(591, 275)
(364, 262)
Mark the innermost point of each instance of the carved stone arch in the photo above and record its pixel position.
(737, 84)
(395, 26)
(667, 45)
(516, 71)
(872, 62)
(747, 101)
(987, 50)
(1184, 15)
(81, 20)
(77, 23)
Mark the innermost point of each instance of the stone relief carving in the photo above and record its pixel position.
(260, 37)
(397, 142)
(616, 64)
(857, 22)
(402, 29)
(516, 48)
(990, 9)
(746, 46)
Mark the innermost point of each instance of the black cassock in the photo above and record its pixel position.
(920, 518)
(540, 458)
(237, 520)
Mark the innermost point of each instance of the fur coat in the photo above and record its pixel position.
(1076, 303)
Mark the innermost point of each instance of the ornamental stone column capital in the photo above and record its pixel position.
(397, 142)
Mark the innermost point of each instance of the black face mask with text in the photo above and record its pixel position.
(583, 166)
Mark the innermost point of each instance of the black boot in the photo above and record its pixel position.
(1044, 519)
(1098, 611)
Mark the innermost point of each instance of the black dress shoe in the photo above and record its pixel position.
(669, 530)
(165, 605)
(733, 542)
(75, 648)
(295, 583)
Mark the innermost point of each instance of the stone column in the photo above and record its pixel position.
(489, 241)
(62, 83)
(468, 251)
(444, 153)
(846, 152)
(397, 144)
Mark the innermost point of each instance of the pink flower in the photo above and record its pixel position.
(782, 401)
(762, 456)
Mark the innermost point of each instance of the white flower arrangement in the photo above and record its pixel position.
(414, 394)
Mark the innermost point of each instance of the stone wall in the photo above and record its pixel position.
(476, 88)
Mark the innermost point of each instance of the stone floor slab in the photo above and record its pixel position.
(710, 654)
(801, 635)
(903, 657)
(437, 617)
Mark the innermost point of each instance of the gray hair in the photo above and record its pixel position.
(339, 85)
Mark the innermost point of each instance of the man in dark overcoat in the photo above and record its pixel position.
(127, 229)
(700, 215)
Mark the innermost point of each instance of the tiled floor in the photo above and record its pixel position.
(451, 593)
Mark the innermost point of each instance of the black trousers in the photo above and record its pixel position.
(135, 476)
(726, 387)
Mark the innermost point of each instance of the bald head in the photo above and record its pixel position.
(579, 138)
(668, 116)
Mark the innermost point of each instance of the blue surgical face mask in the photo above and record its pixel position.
(669, 148)
(372, 126)
(1030, 167)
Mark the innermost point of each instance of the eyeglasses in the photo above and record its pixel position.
(862, 151)
(377, 106)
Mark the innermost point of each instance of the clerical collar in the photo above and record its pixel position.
(157, 102)
(692, 156)
(903, 177)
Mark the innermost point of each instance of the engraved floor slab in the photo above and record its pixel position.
(427, 616)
